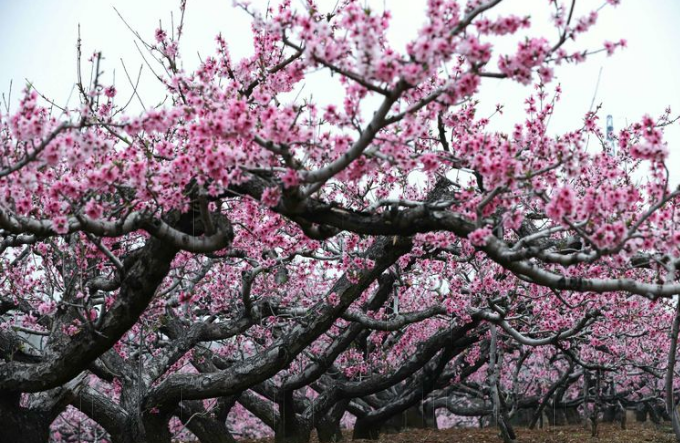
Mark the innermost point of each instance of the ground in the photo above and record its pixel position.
(636, 433)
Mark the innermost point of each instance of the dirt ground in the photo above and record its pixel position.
(636, 433)
(563, 434)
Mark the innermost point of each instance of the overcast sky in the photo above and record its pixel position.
(39, 39)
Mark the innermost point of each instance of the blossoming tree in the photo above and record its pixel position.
(240, 252)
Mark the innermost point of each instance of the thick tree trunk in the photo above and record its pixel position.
(586, 398)
(546, 398)
(329, 431)
(654, 415)
(290, 428)
(393, 424)
(572, 415)
(370, 425)
(429, 416)
(206, 427)
(595, 414)
(370, 429)
(594, 430)
(210, 431)
(366, 430)
(147, 428)
(624, 416)
(20, 424)
(31, 423)
(328, 428)
(499, 411)
(670, 370)
(156, 428)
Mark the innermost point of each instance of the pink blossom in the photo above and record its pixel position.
(290, 179)
(185, 297)
(479, 237)
(271, 196)
(60, 224)
(429, 161)
(562, 204)
(47, 307)
(93, 210)
(161, 35)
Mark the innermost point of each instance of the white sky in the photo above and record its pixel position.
(39, 38)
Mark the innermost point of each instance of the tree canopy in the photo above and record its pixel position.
(242, 260)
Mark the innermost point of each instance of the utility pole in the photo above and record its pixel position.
(611, 143)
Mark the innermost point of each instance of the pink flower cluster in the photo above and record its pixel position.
(530, 54)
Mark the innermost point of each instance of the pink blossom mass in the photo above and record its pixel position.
(246, 260)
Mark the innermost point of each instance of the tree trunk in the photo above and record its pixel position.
(670, 370)
(206, 427)
(290, 429)
(328, 428)
(624, 416)
(429, 416)
(544, 401)
(366, 431)
(370, 429)
(329, 431)
(499, 412)
(21, 424)
(654, 415)
(594, 416)
(147, 428)
(573, 416)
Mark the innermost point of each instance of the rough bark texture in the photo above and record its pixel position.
(144, 272)
(290, 428)
(206, 427)
(670, 372)
(328, 428)
(499, 410)
(385, 251)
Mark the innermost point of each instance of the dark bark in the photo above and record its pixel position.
(320, 219)
(671, 409)
(624, 416)
(369, 426)
(324, 361)
(206, 427)
(366, 430)
(573, 416)
(595, 412)
(429, 416)
(337, 389)
(328, 428)
(499, 410)
(290, 428)
(145, 428)
(31, 423)
(654, 413)
(541, 407)
(21, 424)
(125, 425)
(246, 373)
(144, 270)
(260, 408)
